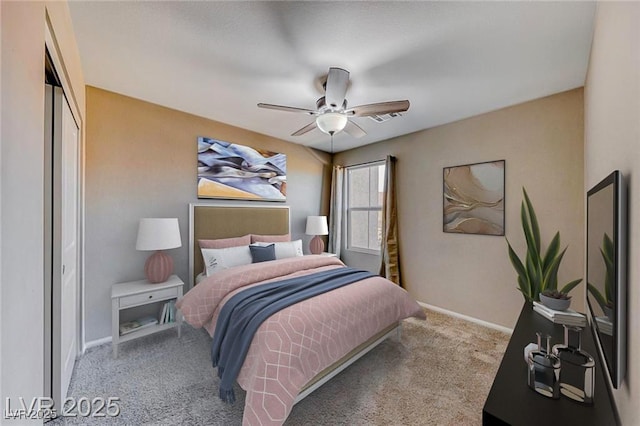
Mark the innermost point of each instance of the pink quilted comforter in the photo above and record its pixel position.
(295, 344)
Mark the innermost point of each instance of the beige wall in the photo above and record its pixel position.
(612, 141)
(22, 183)
(141, 162)
(542, 143)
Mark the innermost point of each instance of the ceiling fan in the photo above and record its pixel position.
(332, 115)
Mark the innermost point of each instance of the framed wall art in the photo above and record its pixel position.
(233, 171)
(474, 198)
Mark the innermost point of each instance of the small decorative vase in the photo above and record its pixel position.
(555, 304)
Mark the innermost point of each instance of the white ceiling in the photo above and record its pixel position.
(219, 59)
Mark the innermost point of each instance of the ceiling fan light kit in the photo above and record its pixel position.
(331, 122)
(332, 115)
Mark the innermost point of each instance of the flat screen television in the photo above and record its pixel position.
(607, 273)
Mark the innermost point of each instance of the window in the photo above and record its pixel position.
(365, 186)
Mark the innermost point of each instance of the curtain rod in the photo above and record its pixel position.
(369, 162)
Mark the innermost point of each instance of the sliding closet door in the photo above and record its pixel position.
(48, 239)
(65, 245)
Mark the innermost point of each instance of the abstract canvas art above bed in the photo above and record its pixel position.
(233, 171)
(474, 198)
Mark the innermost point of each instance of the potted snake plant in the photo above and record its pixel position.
(605, 300)
(538, 269)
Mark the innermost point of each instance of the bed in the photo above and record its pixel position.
(299, 348)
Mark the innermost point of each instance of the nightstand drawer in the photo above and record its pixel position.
(148, 297)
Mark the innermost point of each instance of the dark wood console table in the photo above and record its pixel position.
(512, 402)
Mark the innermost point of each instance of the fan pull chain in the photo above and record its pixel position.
(331, 142)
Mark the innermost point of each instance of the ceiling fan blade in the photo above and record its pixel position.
(379, 108)
(287, 108)
(306, 129)
(336, 89)
(354, 130)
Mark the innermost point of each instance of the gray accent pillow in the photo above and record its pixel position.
(285, 249)
(263, 253)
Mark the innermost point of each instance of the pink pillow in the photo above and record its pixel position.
(222, 243)
(270, 238)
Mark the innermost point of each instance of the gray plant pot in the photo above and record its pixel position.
(557, 304)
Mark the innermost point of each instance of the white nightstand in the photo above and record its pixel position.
(327, 254)
(138, 293)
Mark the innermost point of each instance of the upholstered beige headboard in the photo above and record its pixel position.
(208, 221)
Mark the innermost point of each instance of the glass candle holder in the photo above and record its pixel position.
(577, 377)
(544, 370)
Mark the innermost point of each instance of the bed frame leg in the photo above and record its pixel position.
(399, 332)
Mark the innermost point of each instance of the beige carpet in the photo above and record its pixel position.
(439, 373)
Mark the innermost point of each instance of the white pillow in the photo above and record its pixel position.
(285, 249)
(216, 260)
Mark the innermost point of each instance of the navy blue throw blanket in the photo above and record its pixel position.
(243, 313)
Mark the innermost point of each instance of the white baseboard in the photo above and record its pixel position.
(94, 343)
(467, 318)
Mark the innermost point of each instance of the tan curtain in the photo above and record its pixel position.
(390, 267)
(335, 213)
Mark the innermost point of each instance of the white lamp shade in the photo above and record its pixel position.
(331, 122)
(158, 234)
(317, 225)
